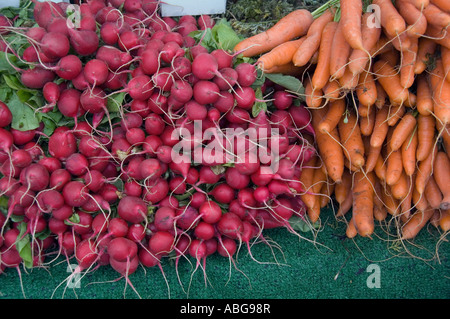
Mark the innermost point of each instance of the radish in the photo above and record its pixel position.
(84, 42)
(35, 176)
(5, 115)
(132, 209)
(246, 74)
(62, 143)
(37, 77)
(223, 193)
(161, 243)
(55, 45)
(210, 212)
(75, 193)
(230, 225)
(206, 92)
(96, 72)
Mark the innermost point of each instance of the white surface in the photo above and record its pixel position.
(192, 7)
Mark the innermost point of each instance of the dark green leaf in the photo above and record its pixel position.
(226, 38)
(287, 81)
(258, 106)
(115, 101)
(24, 117)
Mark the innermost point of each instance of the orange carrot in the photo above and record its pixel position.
(424, 98)
(390, 203)
(416, 21)
(402, 130)
(366, 123)
(444, 5)
(436, 16)
(351, 139)
(394, 167)
(408, 150)
(331, 91)
(417, 221)
(312, 42)
(445, 56)
(340, 53)
(351, 231)
(424, 171)
(396, 111)
(441, 93)
(335, 111)
(381, 96)
(380, 168)
(406, 205)
(438, 35)
(420, 4)
(327, 191)
(392, 22)
(373, 154)
(366, 91)
(322, 72)
(329, 148)
(313, 98)
(363, 110)
(380, 128)
(401, 188)
(358, 59)
(348, 81)
(294, 24)
(441, 173)
(362, 208)
(280, 55)
(314, 211)
(351, 12)
(345, 206)
(433, 193)
(444, 221)
(389, 79)
(287, 69)
(306, 178)
(426, 47)
(408, 60)
(379, 212)
(426, 127)
(343, 189)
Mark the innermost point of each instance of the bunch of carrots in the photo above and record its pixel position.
(377, 83)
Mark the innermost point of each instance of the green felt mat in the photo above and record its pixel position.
(331, 268)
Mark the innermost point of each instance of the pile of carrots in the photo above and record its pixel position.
(377, 83)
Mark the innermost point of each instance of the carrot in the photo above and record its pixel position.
(326, 191)
(416, 21)
(348, 81)
(358, 59)
(345, 206)
(329, 148)
(381, 46)
(311, 44)
(390, 203)
(335, 111)
(426, 127)
(372, 158)
(287, 69)
(306, 178)
(391, 20)
(314, 211)
(380, 168)
(441, 93)
(394, 167)
(437, 17)
(331, 91)
(362, 208)
(426, 47)
(420, 4)
(351, 12)
(401, 188)
(313, 98)
(401, 42)
(351, 231)
(389, 79)
(417, 221)
(381, 96)
(424, 98)
(438, 35)
(340, 53)
(322, 71)
(351, 139)
(366, 123)
(366, 91)
(379, 211)
(441, 172)
(444, 5)
(363, 110)
(280, 55)
(406, 203)
(392, 57)
(408, 60)
(294, 24)
(444, 221)
(396, 111)
(408, 150)
(445, 56)
(343, 189)
(380, 128)
(402, 130)
(424, 171)
(433, 193)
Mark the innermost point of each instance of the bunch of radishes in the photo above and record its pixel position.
(109, 190)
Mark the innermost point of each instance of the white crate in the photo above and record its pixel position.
(16, 3)
(174, 8)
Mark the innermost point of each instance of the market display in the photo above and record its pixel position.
(128, 138)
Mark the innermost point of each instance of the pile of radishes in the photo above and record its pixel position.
(107, 190)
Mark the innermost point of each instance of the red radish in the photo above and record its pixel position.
(206, 92)
(5, 115)
(132, 209)
(59, 178)
(37, 77)
(96, 72)
(93, 100)
(118, 227)
(210, 212)
(246, 74)
(230, 225)
(122, 249)
(227, 247)
(282, 99)
(149, 61)
(77, 164)
(84, 42)
(75, 193)
(62, 143)
(51, 93)
(205, 22)
(204, 231)
(235, 179)
(55, 45)
(86, 254)
(109, 33)
(224, 59)
(223, 193)
(227, 79)
(161, 243)
(63, 212)
(181, 91)
(50, 200)
(113, 57)
(35, 176)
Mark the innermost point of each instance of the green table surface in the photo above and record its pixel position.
(325, 267)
